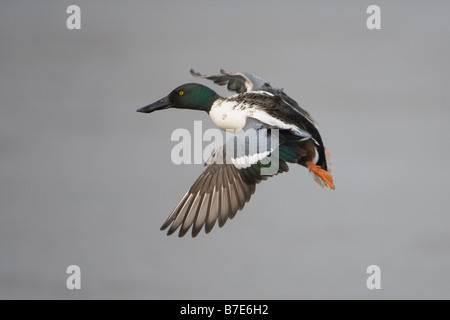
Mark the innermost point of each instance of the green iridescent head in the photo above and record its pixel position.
(192, 96)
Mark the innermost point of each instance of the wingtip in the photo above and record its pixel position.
(194, 74)
(182, 233)
(171, 231)
(166, 225)
(195, 232)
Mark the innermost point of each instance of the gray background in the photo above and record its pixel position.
(86, 180)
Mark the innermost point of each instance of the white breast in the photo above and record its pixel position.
(228, 114)
(233, 115)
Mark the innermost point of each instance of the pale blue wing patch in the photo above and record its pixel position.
(247, 146)
(238, 81)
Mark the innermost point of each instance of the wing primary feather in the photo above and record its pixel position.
(201, 215)
(241, 194)
(190, 216)
(180, 216)
(234, 200)
(224, 200)
(213, 210)
(175, 212)
(213, 206)
(202, 211)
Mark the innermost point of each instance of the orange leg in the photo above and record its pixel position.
(324, 175)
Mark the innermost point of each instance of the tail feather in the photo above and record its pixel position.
(328, 161)
(323, 177)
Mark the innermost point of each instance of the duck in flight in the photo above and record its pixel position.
(225, 186)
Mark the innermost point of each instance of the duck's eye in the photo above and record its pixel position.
(181, 92)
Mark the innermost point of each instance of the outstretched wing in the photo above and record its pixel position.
(237, 81)
(244, 82)
(228, 183)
